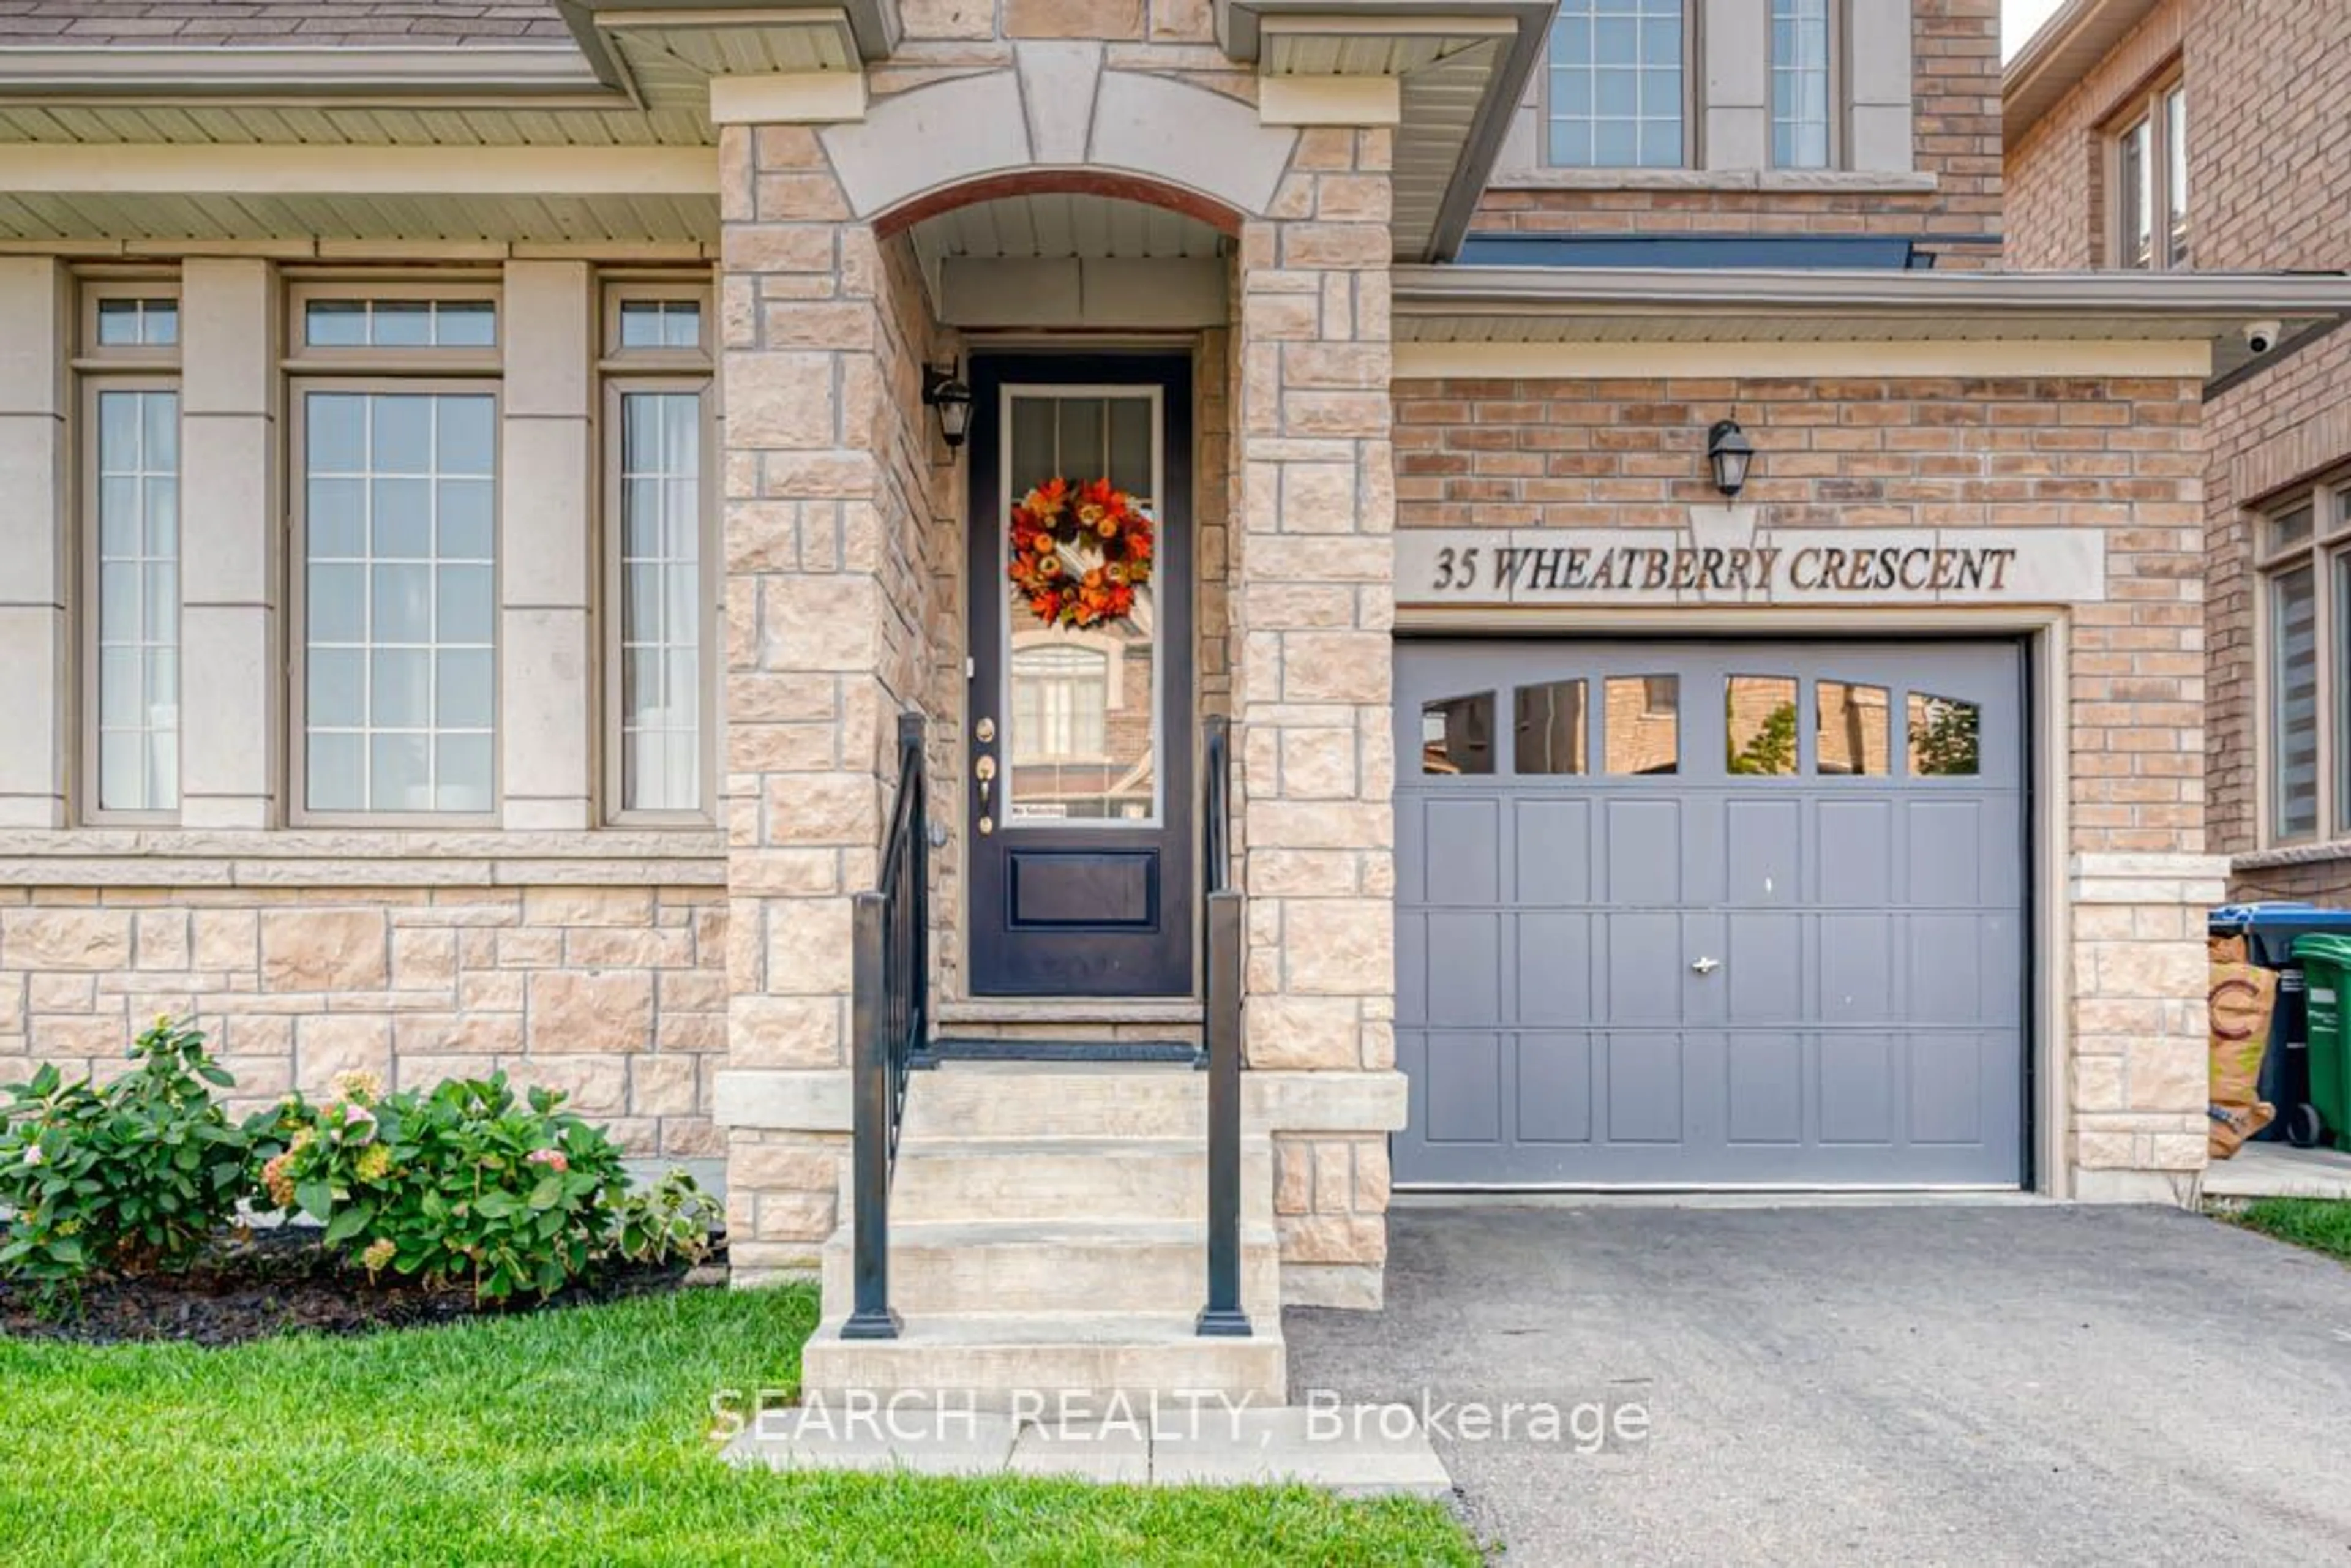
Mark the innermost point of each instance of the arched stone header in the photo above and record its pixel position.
(1058, 120)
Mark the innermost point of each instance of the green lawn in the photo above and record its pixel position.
(2323, 1225)
(574, 1437)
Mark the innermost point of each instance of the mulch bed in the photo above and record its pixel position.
(278, 1281)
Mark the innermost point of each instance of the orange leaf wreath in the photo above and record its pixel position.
(1079, 552)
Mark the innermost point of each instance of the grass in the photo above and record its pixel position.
(574, 1437)
(2323, 1225)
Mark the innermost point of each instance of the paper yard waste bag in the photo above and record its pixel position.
(2242, 997)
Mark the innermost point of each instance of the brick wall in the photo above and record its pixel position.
(2269, 145)
(614, 995)
(1956, 105)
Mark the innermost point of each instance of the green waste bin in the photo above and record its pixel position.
(2326, 966)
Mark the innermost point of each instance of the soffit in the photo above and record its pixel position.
(2066, 48)
(1605, 305)
(1461, 67)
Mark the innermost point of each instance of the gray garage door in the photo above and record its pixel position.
(1700, 914)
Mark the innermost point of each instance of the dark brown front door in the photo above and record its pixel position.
(1080, 765)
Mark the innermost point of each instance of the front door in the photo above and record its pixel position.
(1080, 766)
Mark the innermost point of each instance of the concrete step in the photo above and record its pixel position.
(995, 1360)
(1030, 1099)
(1049, 1266)
(1110, 1178)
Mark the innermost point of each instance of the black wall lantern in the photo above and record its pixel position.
(945, 389)
(1729, 452)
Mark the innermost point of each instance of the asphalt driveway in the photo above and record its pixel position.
(1982, 1383)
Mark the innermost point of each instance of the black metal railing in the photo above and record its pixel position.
(889, 1022)
(1221, 913)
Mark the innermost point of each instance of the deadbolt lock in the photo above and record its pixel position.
(984, 729)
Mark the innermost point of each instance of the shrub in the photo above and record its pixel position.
(670, 1222)
(136, 1174)
(464, 1183)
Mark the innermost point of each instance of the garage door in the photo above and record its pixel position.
(1710, 915)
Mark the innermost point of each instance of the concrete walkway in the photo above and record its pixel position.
(1937, 1383)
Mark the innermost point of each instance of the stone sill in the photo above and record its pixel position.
(2293, 855)
(1070, 1010)
(347, 857)
(1838, 182)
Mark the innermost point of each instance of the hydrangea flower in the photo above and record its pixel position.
(551, 1158)
(375, 1164)
(378, 1256)
(33, 1155)
(357, 1085)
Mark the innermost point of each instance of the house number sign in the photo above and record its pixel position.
(1749, 566)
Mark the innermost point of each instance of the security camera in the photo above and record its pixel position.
(2261, 336)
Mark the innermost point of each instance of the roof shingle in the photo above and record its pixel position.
(297, 23)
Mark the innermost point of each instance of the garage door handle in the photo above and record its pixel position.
(1704, 966)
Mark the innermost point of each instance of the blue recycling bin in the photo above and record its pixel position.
(2269, 929)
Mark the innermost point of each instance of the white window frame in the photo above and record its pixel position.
(1835, 88)
(625, 371)
(474, 371)
(99, 369)
(2327, 550)
(1692, 103)
(2149, 107)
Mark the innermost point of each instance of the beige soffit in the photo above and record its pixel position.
(1462, 66)
(1594, 304)
(2067, 46)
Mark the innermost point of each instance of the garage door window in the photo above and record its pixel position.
(1854, 730)
(1456, 734)
(1760, 721)
(1642, 724)
(1551, 729)
(1944, 737)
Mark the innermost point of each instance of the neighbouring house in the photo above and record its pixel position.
(2169, 135)
(533, 545)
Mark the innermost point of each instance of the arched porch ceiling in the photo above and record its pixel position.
(1078, 259)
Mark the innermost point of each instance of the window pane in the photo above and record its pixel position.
(1799, 84)
(1760, 718)
(661, 595)
(660, 324)
(1456, 734)
(400, 613)
(1613, 84)
(1551, 729)
(2135, 200)
(1943, 733)
(2287, 529)
(2294, 688)
(2175, 136)
(138, 323)
(138, 600)
(1854, 729)
(1641, 724)
(2342, 678)
(400, 324)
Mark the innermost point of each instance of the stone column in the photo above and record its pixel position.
(806, 695)
(232, 630)
(35, 335)
(547, 713)
(1313, 563)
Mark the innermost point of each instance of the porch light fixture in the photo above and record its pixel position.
(945, 389)
(1729, 452)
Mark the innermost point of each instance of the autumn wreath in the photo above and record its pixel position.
(1079, 552)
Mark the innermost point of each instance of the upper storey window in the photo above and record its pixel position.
(2148, 181)
(1799, 84)
(1617, 85)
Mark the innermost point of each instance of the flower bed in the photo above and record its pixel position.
(122, 1204)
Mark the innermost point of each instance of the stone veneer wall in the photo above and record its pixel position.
(2123, 457)
(615, 995)
(1313, 566)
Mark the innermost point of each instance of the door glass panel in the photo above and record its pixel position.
(1083, 646)
(1456, 734)
(1551, 729)
(1943, 738)
(1641, 726)
(1760, 717)
(1854, 729)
